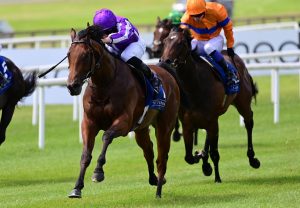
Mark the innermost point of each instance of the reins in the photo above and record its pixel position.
(53, 67)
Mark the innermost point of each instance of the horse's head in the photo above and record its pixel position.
(177, 47)
(162, 30)
(83, 56)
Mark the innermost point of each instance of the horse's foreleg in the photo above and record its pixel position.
(213, 137)
(206, 167)
(143, 140)
(188, 133)
(89, 133)
(163, 136)
(118, 128)
(176, 133)
(7, 114)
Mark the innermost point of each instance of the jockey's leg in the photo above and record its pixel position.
(140, 65)
(213, 48)
(231, 77)
(3, 80)
(133, 54)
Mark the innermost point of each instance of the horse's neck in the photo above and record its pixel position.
(106, 73)
(194, 74)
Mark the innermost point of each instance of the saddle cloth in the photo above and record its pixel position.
(5, 76)
(229, 89)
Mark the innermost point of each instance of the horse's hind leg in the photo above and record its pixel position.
(143, 140)
(249, 123)
(88, 133)
(7, 114)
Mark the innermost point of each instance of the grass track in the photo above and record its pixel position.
(30, 177)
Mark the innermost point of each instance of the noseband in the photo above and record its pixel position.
(93, 59)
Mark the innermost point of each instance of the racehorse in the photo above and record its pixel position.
(114, 101)
(21, 87)
(208, 99)
(162, 30)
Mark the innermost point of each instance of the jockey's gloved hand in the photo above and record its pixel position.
(230, 52)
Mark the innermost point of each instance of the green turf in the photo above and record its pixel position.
(58, 14)
(30, 177)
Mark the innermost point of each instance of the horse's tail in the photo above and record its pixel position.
(30, 83)
(254, 88)
(183, 95)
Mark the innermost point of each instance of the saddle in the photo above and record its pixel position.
(153, 102)
(220, 74)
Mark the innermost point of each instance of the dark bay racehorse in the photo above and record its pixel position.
(208, 100)
(114, 101)
(19, 89)
(162, 30)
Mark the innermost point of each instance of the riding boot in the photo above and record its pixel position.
(3, 80)
(231, 77)
(139, 64)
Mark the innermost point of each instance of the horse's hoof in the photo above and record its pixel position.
(98, 177)
(75, 193)
(153, 180)
(254, 162)
(158, 196)
(189, 160)
(206, 169)
(197, 156)
(218, 180)
(176, 136)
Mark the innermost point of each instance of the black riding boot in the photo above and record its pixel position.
(231, 77)
(3, 80)
(140, 65)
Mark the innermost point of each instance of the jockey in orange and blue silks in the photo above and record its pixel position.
(123, 39)
(205, 21)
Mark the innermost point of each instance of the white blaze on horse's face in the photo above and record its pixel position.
(160, 29)
(173, 37)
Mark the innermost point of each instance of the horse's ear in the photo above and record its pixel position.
(158, 19)
(87, 24)
(169, 22)
(73, 34)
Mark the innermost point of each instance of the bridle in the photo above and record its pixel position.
(178, 62)
(94, 64)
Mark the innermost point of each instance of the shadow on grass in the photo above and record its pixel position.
(20, 182)
(276, 180)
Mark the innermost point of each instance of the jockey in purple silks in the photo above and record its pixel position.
(122, 39)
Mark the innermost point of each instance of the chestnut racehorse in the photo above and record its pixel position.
(114, 101)
(208, 99)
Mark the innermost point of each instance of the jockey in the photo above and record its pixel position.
(205, 21)
(175, 17)
(122, 39)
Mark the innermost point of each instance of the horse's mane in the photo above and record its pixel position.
(164, 23)
(186, 32)
(93, 32)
